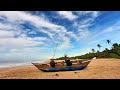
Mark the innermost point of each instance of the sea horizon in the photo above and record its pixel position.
(4, 64)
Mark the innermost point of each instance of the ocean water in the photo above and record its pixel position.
(11, 63)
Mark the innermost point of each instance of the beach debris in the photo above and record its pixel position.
(94, 58)
(56, 74)
(75, 72)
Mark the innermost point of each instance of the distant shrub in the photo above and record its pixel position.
(113, 55)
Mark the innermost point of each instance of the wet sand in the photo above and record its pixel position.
(97, 69)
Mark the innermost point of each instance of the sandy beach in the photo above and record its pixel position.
(97, 69)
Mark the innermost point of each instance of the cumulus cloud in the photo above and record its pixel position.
(6, 34)
(45, 26)
(15, 41)
(18, 42)
(83, 24)
(15, 38)
(5, 27)
(92, 13)
(67, 14)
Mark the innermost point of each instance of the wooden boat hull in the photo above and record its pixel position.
(61, 67)
(67, 68)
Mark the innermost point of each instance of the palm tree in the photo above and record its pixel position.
(115, 46)
(99, 46)
(108, 41)
(93, 50)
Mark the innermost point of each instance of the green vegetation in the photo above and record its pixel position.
(114, 52)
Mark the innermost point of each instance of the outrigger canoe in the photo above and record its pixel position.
(62, 67)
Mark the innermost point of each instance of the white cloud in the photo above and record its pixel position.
(32, 32)
(80, 52)
(47, 27)
(37, 38)
(35, 20)
(68, 15)
(65, 44)
(87, 21)
(5, 26)
(27, 50)
(111, 32)
(27, 54)
(114, 27)
(18, 42)
(91, 16)
(6, 34)
(23, 45)
(56, 33)
(72, 35)
(23, 36)
(20, 17)
(83, 25)
(93, 13)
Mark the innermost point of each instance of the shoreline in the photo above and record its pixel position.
(13, 66)
(45, 62)
(97, 69)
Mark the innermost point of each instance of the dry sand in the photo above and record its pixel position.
(97, 69)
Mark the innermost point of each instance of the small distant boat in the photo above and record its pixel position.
(62, 66)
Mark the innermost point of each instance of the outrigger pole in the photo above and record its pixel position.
(55, 51)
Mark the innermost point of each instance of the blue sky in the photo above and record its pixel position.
(31, 36)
